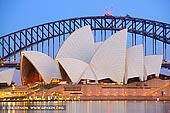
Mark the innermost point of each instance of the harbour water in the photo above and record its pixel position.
(86, 107)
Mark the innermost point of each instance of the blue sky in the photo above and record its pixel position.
(19, 14)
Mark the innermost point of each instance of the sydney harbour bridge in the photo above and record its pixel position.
(48, 37)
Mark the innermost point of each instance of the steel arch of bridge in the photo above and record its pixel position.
(48, 37)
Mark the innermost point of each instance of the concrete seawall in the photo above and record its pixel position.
(124, 98)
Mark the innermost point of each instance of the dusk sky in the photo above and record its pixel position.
(19, 14)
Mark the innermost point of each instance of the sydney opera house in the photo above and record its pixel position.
(80, 58)
(90, 70)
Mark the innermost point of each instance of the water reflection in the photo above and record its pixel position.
(86, 107)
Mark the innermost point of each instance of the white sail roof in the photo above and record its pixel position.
(134, 62)
(153, 64)
(99, 75)
(110, 56)
(79, 45)
(83, 59)
(45, 65)
(89, 73)
(7, 75)
(97, 45)
(73, 67)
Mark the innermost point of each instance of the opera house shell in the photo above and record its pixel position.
(7, 75)
(81, 58)
(37, 67)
